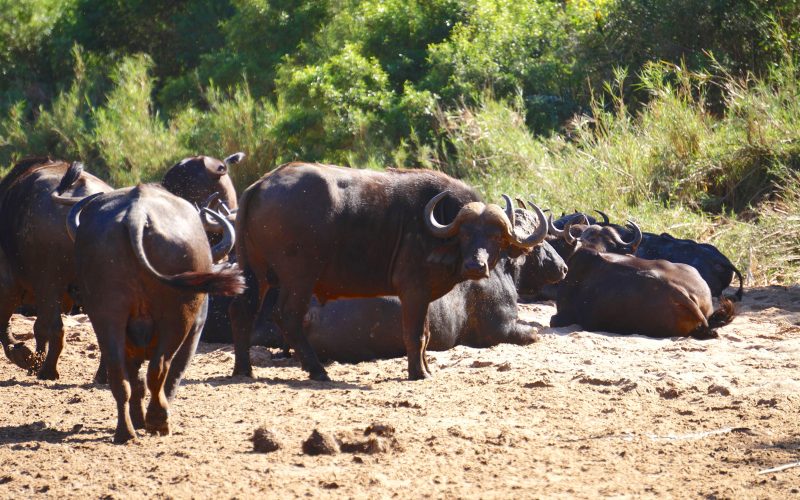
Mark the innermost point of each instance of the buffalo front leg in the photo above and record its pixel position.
(49, 333)
(292, 308)
(416, 335)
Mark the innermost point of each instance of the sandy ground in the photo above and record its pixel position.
(577, 414)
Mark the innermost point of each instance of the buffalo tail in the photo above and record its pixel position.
(723, 315)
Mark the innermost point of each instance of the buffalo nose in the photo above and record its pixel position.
(475, 269)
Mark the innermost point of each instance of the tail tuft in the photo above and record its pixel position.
(225, 279)
(723, 315)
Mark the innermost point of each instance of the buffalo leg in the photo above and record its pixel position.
(111, 337)
(415, 336)
(292, 308)
(49, 332)
(242, 311)
(101, 376)
(185, 353)
(137, 392)
(158, 409)
(17, 352)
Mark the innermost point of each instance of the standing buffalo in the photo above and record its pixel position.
(197, 178)
(341, 232)
(144, 267)
(36, 257)
(476, 313)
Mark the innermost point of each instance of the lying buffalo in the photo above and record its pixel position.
(341, 232)
(714, 267)
(144, 268)
(621, 293)
(627, 294)
(36, 257)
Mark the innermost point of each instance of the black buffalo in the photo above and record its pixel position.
(36, 259)
(144, 268)
(714, 267)
(627, 294)
(339, 232)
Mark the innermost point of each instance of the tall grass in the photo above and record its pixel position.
(676, 165)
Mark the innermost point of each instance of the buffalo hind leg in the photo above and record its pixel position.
(292, 308)
(155, 421)
(185, 353)
(17, 352)
(111, 337)
(137, 392)
(242, 313)
(49, 333)
(416, 334)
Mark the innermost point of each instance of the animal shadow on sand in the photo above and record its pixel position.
(39, 432)
(786, 298)
(53, 387)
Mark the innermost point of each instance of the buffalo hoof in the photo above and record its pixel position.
(419, 375)
(242, 371)
(137, 418)
(319, 376)
(47, 374)
(123, 435)
(162, 428)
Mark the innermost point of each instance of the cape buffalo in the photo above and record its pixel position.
(199, 177)
(37, 254)
(627, 294)
(476, 313)
(714, 267)
(144, 267)
(342, 232)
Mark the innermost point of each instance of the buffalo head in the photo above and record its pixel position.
(198, 177)
(483, 231)
(597, 237)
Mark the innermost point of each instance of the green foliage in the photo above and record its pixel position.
(129, 135)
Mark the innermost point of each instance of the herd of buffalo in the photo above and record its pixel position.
(417, 260)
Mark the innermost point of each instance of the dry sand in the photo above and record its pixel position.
(577, 414)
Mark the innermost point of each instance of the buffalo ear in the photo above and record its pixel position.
(234, 158)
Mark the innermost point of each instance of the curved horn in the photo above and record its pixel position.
(603, 215)
(637, 235)
(564, 234)
(73, 217)
(537, 236)
(521, 204)
(224, 247)
(211, 199)
(509, 211)
(433, 226)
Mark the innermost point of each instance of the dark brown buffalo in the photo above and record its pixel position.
(197, 178)
(144, 267)
(628, 295)
(37, 260)
(341, 232)
(476, 313)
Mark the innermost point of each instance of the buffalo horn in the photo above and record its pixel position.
(561, 233)
(509, 211)
(637, 235)
(535, 237)
(603, 215)
(73, 217)
(224, 247)
(433, 226)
